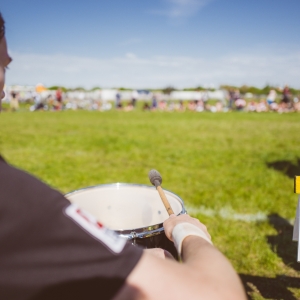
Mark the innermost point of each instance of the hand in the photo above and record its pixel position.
(173, 220)
(161, 253)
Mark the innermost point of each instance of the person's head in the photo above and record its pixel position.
(4, 57)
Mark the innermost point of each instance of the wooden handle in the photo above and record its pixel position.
(165, 200)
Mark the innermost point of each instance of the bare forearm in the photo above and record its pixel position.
(210, 264)
(196, 250)
(204, 274)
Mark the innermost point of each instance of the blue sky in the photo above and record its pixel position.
(142, 43)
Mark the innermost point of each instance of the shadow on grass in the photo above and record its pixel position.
(282, 243)
(286, 249)
(286, 167)
(270, 288)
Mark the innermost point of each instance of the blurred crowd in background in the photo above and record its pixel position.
(39, 98)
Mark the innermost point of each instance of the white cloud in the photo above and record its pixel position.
(131, 55)
(181, 8)
(156, 71)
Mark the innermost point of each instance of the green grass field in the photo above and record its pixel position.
(234, 171)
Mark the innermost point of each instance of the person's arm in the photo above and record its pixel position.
(204, 274)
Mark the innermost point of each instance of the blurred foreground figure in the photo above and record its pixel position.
(50, 249)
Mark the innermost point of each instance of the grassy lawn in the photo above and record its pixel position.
(233, 170)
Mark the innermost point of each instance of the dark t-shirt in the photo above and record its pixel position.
(46, 254)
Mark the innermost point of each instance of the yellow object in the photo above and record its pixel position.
(40, 88)
(297, 185)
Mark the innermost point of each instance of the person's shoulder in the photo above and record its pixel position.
(21, 187)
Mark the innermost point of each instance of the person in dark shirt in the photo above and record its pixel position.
(50, 249)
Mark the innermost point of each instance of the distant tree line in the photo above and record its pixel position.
(79, 88)
(257, 91)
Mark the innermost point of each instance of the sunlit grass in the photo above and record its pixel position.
(211, 160)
